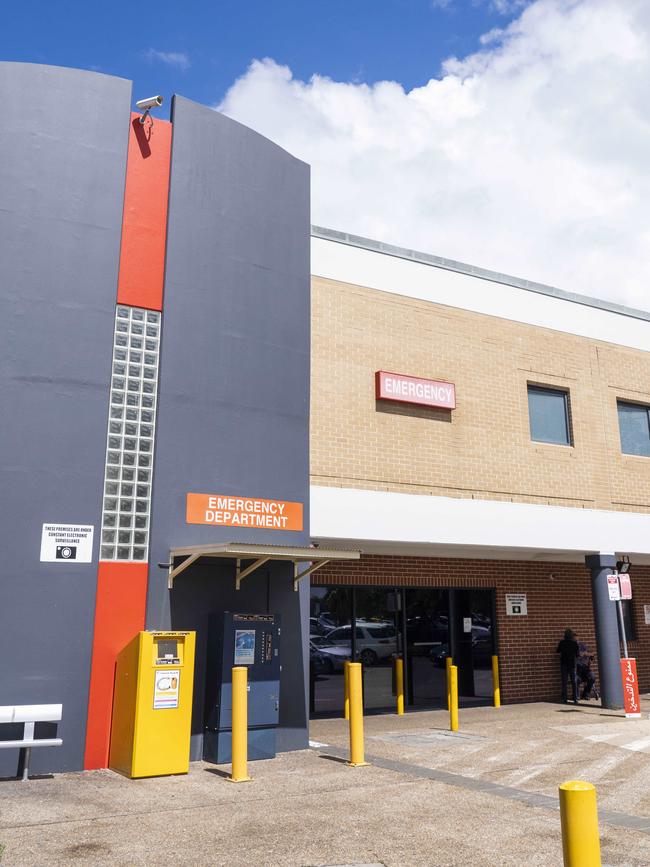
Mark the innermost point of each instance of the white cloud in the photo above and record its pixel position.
(171, 58)
(529, 157)
(507, 7)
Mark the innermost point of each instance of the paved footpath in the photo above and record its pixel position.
(487, 796)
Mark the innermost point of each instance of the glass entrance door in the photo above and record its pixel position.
(427, 631)
(377, 644)
(368, 625)
(330, 646)
(482, 641)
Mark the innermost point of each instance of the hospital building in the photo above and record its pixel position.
(213, 407)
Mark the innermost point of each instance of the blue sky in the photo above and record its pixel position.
(199, 48)
(527, 154)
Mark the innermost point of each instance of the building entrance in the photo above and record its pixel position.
(374, 625)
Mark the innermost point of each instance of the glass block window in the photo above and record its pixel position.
(130, 438)
(548, 410)
(634, 425)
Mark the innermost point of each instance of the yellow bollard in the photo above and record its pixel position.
(356, 715)
(495, 681)
(346, 690)
(453, 699)
(239, 772)
(399, 680)
(579, 820)
(448, 664)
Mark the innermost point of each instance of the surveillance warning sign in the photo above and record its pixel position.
(67, 543)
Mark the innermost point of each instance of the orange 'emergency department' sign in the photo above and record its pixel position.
(225, 511)
(630, 687)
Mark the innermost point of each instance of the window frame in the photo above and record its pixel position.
(537, 387)
(621, 401)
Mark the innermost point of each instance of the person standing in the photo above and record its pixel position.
(585, 674)
(568, 650)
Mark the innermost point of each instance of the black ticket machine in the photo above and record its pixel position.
(251, 640)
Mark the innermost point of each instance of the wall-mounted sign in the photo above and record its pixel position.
(516, 604)
(646, 614)
(412, 389)
(165, 688)
(220, 510)
(467, 624)
(613, 588)
(67, 543)
(625, 583)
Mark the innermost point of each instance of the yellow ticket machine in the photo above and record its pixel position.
(152, 705)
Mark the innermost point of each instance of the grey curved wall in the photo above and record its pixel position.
(233, 407)
(63, 140)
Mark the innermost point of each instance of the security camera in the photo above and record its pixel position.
(148, 104)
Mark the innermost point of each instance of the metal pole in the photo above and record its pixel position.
(399, 677)
(26, 755)
(239, 772)
(579, 821)
(621, 626)
(356, 717)
(453, 708)
(495, 681)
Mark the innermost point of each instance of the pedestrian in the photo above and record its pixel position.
(585, 674)
(568, 650)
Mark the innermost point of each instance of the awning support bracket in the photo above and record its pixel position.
(297, 578)
(240, 575)
(176, 570)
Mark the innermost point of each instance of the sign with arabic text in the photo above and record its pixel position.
(630, 688)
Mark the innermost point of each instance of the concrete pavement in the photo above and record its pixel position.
(487, 796)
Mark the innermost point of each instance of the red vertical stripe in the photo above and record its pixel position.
(144, 226)
(122, 587)
(119, 615)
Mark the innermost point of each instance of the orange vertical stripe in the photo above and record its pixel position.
(144, 225)
(122, 587)
(119, 615)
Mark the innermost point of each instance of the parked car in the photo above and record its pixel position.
(316, 628)
(326, 622)
(326, 658)
(374, 641)
(481, 649)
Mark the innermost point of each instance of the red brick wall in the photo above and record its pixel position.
(528, 663)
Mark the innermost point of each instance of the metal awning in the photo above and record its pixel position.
(259, 555)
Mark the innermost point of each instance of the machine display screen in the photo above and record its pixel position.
(167, 651)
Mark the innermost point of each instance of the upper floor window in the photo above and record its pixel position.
(634, 425)
(548, 410)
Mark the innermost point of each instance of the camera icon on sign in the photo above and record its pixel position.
(66, 552)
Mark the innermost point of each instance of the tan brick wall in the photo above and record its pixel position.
(528, 663)
(483, 448)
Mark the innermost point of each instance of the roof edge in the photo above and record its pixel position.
(474, 271)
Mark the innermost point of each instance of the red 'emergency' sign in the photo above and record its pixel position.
(630, 687)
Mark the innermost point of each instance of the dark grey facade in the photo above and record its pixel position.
(233, 406)
(63, 141)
